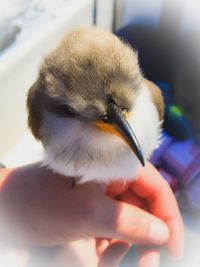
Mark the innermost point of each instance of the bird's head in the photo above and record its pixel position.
(91, 87)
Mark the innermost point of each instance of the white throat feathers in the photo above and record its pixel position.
(75, 149)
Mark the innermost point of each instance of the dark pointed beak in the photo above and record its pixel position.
(119, 122)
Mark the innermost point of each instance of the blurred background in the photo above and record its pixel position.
(166, 34)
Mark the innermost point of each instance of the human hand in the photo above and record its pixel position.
(39, 207)
(151, 193)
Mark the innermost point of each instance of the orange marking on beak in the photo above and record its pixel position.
(106, 127)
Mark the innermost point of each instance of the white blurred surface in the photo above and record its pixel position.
(191, 16)
(19, 69)
(104, 14)
(10, 9)
(28, 16)
(26, 151)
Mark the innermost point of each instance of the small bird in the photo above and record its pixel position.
(96, 115)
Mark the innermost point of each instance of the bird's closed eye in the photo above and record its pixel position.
(61, 110)
(104, 118)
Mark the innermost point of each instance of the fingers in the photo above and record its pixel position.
(101, 245)
(117, 188)
(151, 186)
(175, 245)
(126, 222)
(140, 226)
(133, 199)
(148, 256)
(113, 254)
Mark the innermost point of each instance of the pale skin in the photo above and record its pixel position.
(31, 196)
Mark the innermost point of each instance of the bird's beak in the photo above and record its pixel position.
(118, 125)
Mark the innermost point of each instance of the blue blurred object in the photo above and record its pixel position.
(175, 123)
(178, 162)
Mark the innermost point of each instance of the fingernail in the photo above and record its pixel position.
(158, 233)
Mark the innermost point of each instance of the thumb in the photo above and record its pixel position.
(118, 220)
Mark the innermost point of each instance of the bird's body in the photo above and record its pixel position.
(70, 107)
